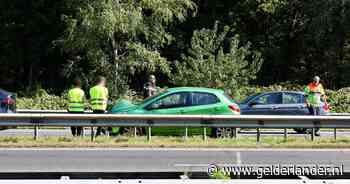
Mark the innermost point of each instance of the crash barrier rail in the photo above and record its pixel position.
(177, 181)
(45, 111)
(181, 121)
(89, 111)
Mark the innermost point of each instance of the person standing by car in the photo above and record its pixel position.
(150, 88)
(98, 100)
(76, 98)
(314, 93)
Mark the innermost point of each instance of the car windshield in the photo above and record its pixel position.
(249, 98)
(146, 100)
(4, 93)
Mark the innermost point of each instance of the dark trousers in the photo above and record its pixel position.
(315, 111)
(77, 130)
(100, 130)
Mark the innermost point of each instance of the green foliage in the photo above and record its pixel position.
(339, 100)
(211, 64)
(271, 6)
(119, 39)
(48, 43)
(42, 100)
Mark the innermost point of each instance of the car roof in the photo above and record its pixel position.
(196, 89)
(297, 92)
(4, 92)
(251, 97)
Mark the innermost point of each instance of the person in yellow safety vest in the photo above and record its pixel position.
(98, 100)
(76, 99)
(314, 92)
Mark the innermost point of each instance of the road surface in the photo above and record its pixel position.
(158, 159)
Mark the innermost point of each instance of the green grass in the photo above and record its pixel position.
(176, 142)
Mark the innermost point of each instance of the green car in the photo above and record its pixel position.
(183, 100)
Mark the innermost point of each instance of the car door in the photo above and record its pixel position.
(174, 103)
(265, 104)
(203, 103)
(293, 104)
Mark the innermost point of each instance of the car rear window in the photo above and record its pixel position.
(200, 98)
(249, 98)
(292, 98)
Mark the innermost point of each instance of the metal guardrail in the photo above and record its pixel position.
(44, 111)
(184, 121)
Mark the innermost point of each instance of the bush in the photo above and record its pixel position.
(339, 100)
(42, 100)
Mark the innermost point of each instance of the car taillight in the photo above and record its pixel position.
(234, 108)
(326, 107)
(8, 101)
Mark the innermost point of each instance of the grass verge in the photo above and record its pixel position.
(174, 142)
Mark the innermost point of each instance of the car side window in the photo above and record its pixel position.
(273, 98)
(171, 101)
(204, 99)
(292, 98)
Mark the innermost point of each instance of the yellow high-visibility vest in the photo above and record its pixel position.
(76, 100)
(99, 97)
(314, 93)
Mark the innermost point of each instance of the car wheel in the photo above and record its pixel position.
(300, 130)
(223, 132)
(130, 131)
(305, 130)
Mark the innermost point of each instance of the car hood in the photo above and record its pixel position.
(123, 106)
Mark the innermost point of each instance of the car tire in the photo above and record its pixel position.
(305, 130)
(300, 130)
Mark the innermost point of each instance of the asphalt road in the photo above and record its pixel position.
(158, 159)
(67, 132)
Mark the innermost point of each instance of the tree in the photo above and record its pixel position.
(119, 38)
(28, 57)
(217, 60)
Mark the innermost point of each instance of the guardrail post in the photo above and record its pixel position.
(285, 134)
(204, 134)
(335, 133)
(235, 133)
(92, 134)
(312, 134)
(149, 133)
(135, 132)
(186, 134)
(258, 135)
(36, 132)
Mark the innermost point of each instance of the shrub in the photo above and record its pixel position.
(42, 100)
(339, 99)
